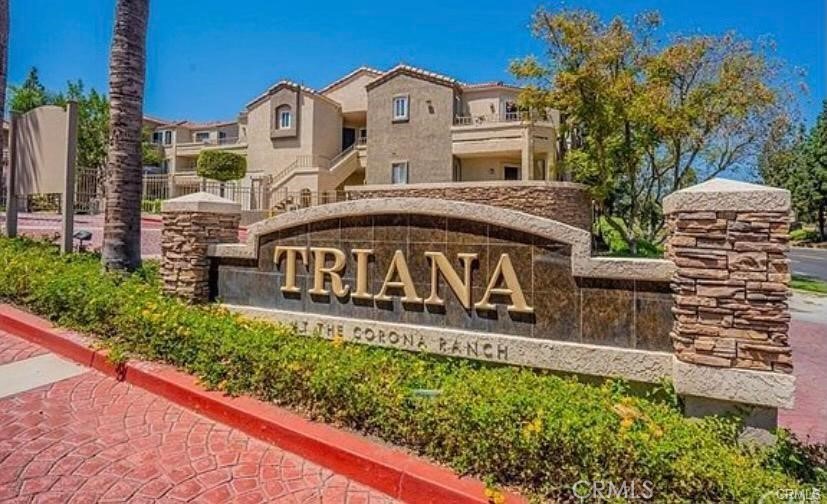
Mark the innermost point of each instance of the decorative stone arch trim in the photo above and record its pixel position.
(583, 264)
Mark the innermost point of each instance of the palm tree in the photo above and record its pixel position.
(4, 66)
(127, 66)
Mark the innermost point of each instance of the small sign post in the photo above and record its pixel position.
(68, 197)
(11, 181)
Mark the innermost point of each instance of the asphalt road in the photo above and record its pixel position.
(809, 262)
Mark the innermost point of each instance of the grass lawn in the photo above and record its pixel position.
(809, 284)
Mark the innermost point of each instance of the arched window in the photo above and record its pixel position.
(284, 117)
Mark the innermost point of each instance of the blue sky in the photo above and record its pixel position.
(207, 58)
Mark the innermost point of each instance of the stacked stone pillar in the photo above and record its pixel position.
(730, 243)
(190, 225)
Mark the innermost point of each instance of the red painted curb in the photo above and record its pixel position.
(392, 471)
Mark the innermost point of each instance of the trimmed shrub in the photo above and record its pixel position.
(221, 165)
(514, 427)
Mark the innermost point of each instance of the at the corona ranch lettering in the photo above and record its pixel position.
(400, 338)
(502, 282)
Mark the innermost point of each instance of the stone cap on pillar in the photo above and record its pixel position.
(201, 202)
(724, 195)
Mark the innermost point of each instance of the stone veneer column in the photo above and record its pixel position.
(729, 241)
(190, 225)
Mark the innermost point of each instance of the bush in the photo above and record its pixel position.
(802, 235)
(511, 426)
(151, 206)
(221, 165)
(617, 246)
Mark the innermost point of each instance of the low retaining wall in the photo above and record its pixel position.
(564, 202)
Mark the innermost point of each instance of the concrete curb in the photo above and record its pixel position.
(398, 474)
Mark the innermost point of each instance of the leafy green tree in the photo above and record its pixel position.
(93, 120)
(153, 155)
(222, 166)
(643, 119)
(797, 161)
(815, 167)
(30, 95)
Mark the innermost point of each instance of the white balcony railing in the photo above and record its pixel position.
(505, 117)
(212, 141)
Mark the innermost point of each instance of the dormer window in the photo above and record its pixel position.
(400, 108)
(284, 117)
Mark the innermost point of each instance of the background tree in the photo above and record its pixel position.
(93, 123)
(798, 162)
(127, 69)
(815, 168)
(645, 118)
(29, 95)
(152, 154)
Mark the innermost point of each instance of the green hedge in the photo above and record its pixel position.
(221, 165)
(513, 427)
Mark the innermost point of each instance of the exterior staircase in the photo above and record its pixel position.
(330, 173)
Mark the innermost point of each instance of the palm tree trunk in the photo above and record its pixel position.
(4, 67)
(127, 66)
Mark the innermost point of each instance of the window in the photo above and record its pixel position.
(399, 172)
(511, 172)
(167, 137)
(284, 117)
(202, 136)
(157, 137)
(400, 108)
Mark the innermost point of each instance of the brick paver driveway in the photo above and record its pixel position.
(808, 418)
(48, 224)
(90, 438)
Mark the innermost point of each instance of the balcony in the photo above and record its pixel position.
(500, 134)
(479, 120)
(226, 143)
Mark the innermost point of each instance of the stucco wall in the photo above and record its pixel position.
(480, 168)
(327, 129)
(565, 202)
(481, 103)
(269, 155)
(424, 141)
(352, 96)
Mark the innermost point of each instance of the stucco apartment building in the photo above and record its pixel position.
(403, 126)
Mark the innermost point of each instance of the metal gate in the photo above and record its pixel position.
(89, 191)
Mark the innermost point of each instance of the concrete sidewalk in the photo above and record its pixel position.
(70, 434)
